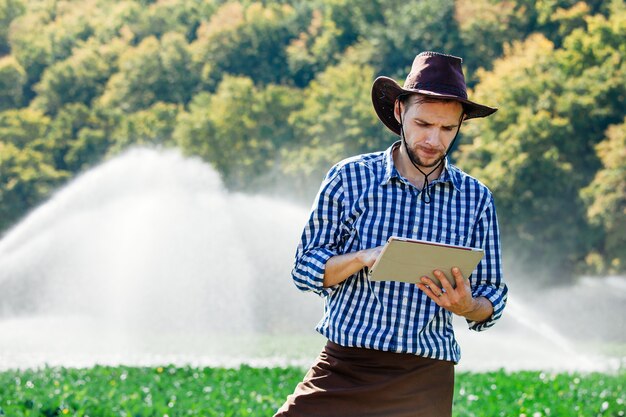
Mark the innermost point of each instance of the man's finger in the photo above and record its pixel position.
(430, 288)
(430, 294)
(443, 279)
(459, 278)
(427, 281)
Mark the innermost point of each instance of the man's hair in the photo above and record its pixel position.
(408, 100)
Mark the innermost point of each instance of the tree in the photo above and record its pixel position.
(78, 79)
(117, 20)
(12, 80)
(238, 129)
(26, 178)
(556, 19)
(32, 50)
(180, 16)
(334, 26)
(246, 41)
(313, 49)
(485, 26)
(538, 150)
(516, 152)
(151, 72)
(606, 203)
(60, 27)
(68, 26)
(27, 172)
(152, 126)
(24, 128)
(79, 136)
(409, 28)
(336, 121)
(9, 10)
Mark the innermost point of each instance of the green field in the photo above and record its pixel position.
(188, 391)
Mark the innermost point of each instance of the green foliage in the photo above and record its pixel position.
(78, 79)
(121, 18)
(247, 391)
(60, 27)
(336, 121)
(12, 80)
(537, 152)
(30, 49)
(485, 26)
(152, 126)
(279, 90)
(155, 70)
(334, 27)
(239, 128)
(531, 393)
(105, 391)
(245, 41)
(78, 136)
(180, 16)
(606, 202)
(27, 172)
(408, 27)
(313, 49)
(26, 178)
(9, 10)
(24, 128)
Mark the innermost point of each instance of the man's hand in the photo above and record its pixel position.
(457, 300)
(369, 256)
(340, 267)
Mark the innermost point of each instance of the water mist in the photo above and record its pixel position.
(147, 259)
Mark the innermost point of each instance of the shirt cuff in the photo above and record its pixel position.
(497, 298)
(308, 271)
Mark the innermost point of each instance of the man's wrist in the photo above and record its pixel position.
(362, 258)
(480, 310)
(473, 308)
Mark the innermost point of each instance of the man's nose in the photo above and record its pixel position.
(433, 136)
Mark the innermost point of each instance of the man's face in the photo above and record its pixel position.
(429, 128)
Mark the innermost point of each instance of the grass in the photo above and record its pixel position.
(187, 391)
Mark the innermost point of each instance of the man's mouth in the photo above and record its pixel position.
(429, 151)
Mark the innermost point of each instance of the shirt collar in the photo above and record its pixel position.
(450, 173)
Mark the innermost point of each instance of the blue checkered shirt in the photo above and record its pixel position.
(362, 202)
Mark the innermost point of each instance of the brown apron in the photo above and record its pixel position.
(346, 381)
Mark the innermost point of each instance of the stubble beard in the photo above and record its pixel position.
(416, 159)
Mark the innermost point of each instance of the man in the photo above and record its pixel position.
(391, 348)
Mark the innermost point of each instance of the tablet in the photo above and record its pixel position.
(407, 260)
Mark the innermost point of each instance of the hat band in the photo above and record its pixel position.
(440, 89)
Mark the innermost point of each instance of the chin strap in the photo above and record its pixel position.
(426, 190)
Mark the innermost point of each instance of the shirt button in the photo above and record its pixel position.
(405, 300)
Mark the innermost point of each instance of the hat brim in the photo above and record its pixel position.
(385, 92)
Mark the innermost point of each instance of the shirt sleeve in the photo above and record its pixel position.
(321, 237)
(487, 280)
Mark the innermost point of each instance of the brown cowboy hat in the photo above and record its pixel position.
(432, 74)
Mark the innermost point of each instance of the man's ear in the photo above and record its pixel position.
(397, 108)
